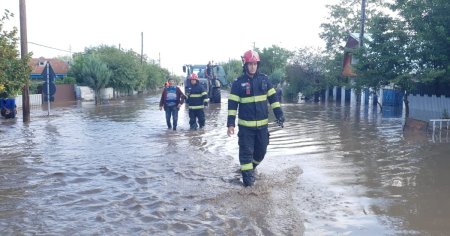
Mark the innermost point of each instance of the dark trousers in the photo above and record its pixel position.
(252, 144)
(171, 111)
(195, 114)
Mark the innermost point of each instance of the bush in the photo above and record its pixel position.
(35, 87)
(66, 80)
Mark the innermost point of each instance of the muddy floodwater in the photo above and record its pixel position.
(116, 169)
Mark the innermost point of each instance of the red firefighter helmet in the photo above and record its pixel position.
(250, 56)
(193, 76)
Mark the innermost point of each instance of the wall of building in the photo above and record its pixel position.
(65, 92)
(85, 93)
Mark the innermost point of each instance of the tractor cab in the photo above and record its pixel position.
(211, 83)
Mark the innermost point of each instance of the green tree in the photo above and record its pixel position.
(233, 69)
(344, 19)
(14, 71)
(273, 58)
(125, 67)
(96, 74)
(76, 69)
(277, 76)
(155, 76)
(128, 72)
(381, 61)
(386, 57)
(429, 23)
(306, 74)
(409, 49)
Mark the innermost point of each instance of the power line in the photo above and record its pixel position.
(49, 47)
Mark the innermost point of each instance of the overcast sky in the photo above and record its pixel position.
(178, 31)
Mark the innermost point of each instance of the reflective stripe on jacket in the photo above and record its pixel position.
(197, 97)
(248, 100)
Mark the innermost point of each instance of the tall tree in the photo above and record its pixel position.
(233, 69)
(128, 73)
(155, 76)
(124, 65)
(429, 20)
(96, 75)
(412, 47)
(344, 19)
(273, 58)
(306, 73)
(14, 71)
(386, 59)
(387, 55)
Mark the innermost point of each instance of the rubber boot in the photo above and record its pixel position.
(248, 177)
(255, 165)
(254, 169)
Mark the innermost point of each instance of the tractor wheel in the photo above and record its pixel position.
(216, 95)
(8, 113)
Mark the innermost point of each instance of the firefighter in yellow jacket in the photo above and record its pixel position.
(249, 97)
(197, 99)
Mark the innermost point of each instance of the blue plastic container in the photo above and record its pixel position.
(8, 107)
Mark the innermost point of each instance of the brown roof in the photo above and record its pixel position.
(38, 64)
(352, 42)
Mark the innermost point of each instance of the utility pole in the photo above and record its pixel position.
(142, 47)
(47, 67)
(23, 54)
(363, 19)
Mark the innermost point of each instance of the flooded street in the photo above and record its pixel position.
(116, 169)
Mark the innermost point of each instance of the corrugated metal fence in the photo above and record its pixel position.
(428, 107)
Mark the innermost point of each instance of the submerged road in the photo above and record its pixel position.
(115, 169)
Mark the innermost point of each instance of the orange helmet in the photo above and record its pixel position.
(250, 56)
(193, 76)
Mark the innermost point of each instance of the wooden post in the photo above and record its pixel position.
(24, 53)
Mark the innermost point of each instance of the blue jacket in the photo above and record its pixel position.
(249, 96)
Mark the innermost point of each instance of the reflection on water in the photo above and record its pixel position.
(116, 169)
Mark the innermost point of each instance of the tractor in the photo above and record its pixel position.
(211, 82)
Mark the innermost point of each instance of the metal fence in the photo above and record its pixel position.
(428, 107)
(35, 100)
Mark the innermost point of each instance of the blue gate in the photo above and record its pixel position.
(392, 97)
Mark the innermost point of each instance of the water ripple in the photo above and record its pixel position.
(115, 169)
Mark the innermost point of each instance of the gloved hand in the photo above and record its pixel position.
(280, 121)
(205, 104)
